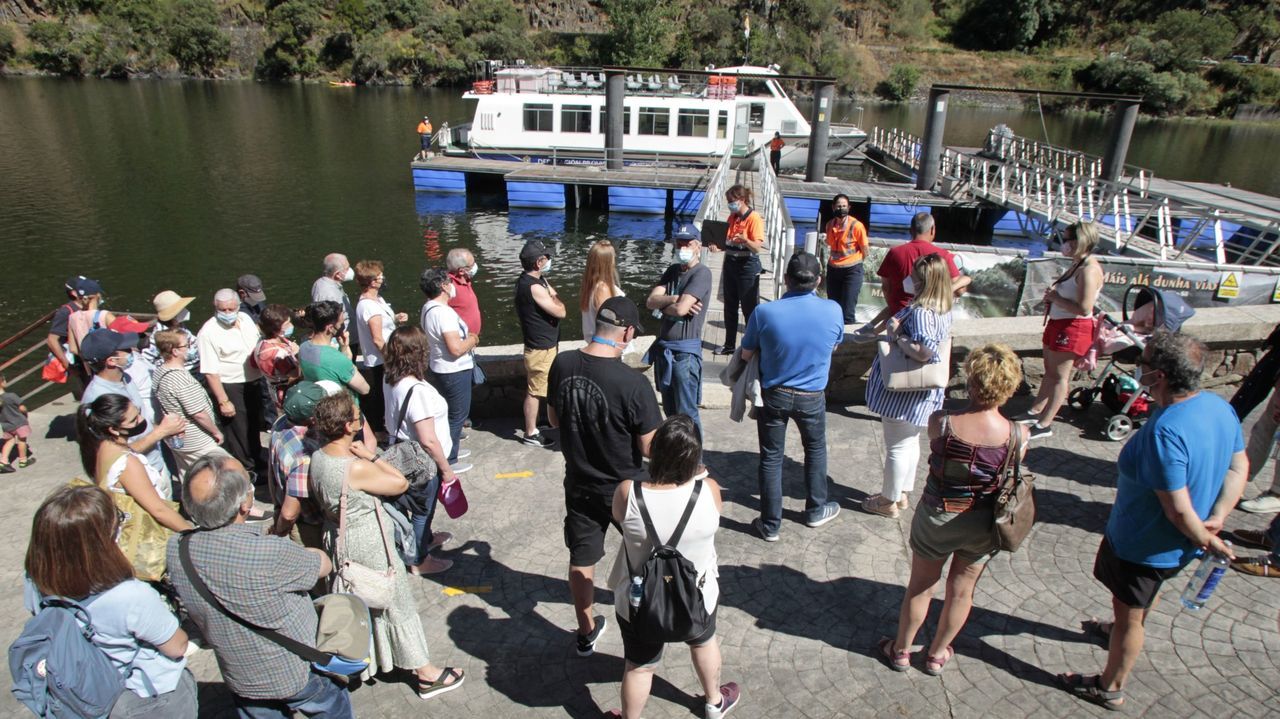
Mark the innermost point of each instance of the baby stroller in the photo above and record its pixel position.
(1124, 342)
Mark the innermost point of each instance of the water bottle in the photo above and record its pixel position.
(1205, 580)
(176, 441)
(637, 592)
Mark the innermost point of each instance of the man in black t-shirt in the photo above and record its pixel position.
(607, 415)
(57, 339)
(678, 300)
(540, 310)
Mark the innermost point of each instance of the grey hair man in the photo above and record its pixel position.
(895, 272)
(263, 579)
(328, 287)
(226, 343)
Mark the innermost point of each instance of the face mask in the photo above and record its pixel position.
(228, 318)
(183, 316)
(475, 267)
(735, 206)
(136, 429)
(349, 275)
(451, 291)
(685, 255)
(287, 331)
(192, 352)
(547, 267)
(909, 285)
(128, 362)
(842, 212)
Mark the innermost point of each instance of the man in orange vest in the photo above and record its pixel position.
(424, 133)
(775, 151)
(847, 240)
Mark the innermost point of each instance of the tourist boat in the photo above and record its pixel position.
(550, 115)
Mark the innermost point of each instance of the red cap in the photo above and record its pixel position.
(129, 324)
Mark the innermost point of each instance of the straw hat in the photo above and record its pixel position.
(168, 304)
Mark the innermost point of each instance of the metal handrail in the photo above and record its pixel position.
(712, 206)
(778, 228)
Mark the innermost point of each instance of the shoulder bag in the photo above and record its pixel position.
(375, 586)
(901, 373)
(142, 539)
(1015, 510)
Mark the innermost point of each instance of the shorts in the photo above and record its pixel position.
(641, 652)
(970, 535)
(537, 367)
(1074, 336)
(587, 519)
(1133, 585)
(21, 433)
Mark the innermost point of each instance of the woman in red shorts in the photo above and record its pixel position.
(1069, 332)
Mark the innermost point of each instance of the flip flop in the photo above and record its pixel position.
(426, 690)
(1088, 689)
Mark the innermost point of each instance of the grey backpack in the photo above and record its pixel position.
(57, 669)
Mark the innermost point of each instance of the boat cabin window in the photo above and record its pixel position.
(693, 123)
(756, 117)
(655, 121)
(755, 88)
(626, 120)
(722, 125)
(575, 118)
(538, 118)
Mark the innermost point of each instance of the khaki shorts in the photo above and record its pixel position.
(537, 367)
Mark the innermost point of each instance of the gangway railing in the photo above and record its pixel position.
(713, 205)
(897, 145)
(1008, 147)
(779, 231)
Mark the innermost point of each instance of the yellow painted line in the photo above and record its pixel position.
(459, 591)
(514, 475)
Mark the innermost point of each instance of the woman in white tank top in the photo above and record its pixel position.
(674, 473)
(599, 283)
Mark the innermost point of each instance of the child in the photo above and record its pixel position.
(13, 422)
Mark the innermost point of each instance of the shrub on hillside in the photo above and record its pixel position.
(8, 46)
(56, 49)
(195, 40)
(900, 84)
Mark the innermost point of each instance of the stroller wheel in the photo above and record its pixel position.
(1119, 427)
(1081, 398)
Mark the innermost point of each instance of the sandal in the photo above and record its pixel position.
(933, 666)
(897, 661)
(1089, 689)
(1263, 566)
(426, 690)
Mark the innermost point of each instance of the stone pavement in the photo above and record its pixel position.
(799, 618)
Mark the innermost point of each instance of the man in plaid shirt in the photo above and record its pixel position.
(290, 465)
(262, 579)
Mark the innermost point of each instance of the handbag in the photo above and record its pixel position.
(901, 373)
(1015, 510)
(375, 586)
(344, 637)
(477, 374)
(142, 539)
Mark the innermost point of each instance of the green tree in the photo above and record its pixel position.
(900, 84)
(497, 29)
(8, 49)
(57, 49)
(642, 33)
(195, 40)
(1186, 36)
(1002, 24)
(910, 19)
(291, 25)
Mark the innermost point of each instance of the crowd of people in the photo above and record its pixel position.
(365, 429)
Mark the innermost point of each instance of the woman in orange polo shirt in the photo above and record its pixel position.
(847, 240)
(740, 277)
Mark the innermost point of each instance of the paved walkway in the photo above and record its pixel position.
(799, 618)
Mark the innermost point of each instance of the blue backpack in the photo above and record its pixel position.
(57, 669)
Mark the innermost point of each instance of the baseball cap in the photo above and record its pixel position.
(129, 324)
(252, 287)
(86, 287)
(619, 312)
(301, 399)
(804, 267)
(72, 282)
(169, 304)
(534, 249)
(686, 233)
(100, 344)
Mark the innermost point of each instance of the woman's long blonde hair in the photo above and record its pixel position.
(1085, 235)
(602, 266)
(935, 294)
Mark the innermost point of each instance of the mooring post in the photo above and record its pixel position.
(819, 130)
(615, 90)
(1126, 116)
(931, 144)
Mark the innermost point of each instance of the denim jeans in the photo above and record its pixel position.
(740, 280)
(422, 520)
(455, 387)
(320, 698)
(844, 284)
(809, 410)
(180, 703)
(684, 393)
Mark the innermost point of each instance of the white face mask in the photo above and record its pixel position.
(450, 290)
(685, 255)
(475, 267)
(350, 275)
(909, 285)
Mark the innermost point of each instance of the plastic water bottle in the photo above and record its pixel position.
(1201, 585)
(176, 441)
(637, 592)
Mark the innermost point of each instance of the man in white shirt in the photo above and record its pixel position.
(226, 343)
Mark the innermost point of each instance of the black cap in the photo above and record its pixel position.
(804, 267)
(534, 249)
(619, 312)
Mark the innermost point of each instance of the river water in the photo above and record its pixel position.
(153, 185)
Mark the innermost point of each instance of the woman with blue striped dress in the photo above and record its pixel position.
(920, 329)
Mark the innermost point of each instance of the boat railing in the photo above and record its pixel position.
(591, 80)
(713, 203)
(778, 228)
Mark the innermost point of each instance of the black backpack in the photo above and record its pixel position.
(671, 608)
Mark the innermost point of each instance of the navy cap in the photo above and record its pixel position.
(100, 344)
(86, 287)
(686, 233)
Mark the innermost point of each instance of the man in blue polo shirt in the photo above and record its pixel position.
(795, 336)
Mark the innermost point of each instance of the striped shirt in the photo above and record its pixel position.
(928, 329)
(180, 394)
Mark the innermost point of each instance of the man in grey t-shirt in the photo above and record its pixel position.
(328, 288)
(678, 300)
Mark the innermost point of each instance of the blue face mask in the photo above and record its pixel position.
(228, 318)
(684, 255)
(735, 206)
(128, 362)
(288, 331)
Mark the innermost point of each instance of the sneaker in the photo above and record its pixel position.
(1038, 432)
(466, 423)
(6, 468)
(537, 439)
(729, 695)
(876, 504)
(587, 644)
(463, 435)
(1025, 417)
(461, 467)
(903, 502)
(463, 454)
(826, 513)
(27, 462)
(722, 351)
(430, 565)
(1264, 503)
(765, 534)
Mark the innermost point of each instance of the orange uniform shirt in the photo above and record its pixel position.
(424, 128)
(776, 144)
(847, 241)
(752, 226)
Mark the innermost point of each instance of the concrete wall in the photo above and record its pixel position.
(1234, 335)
